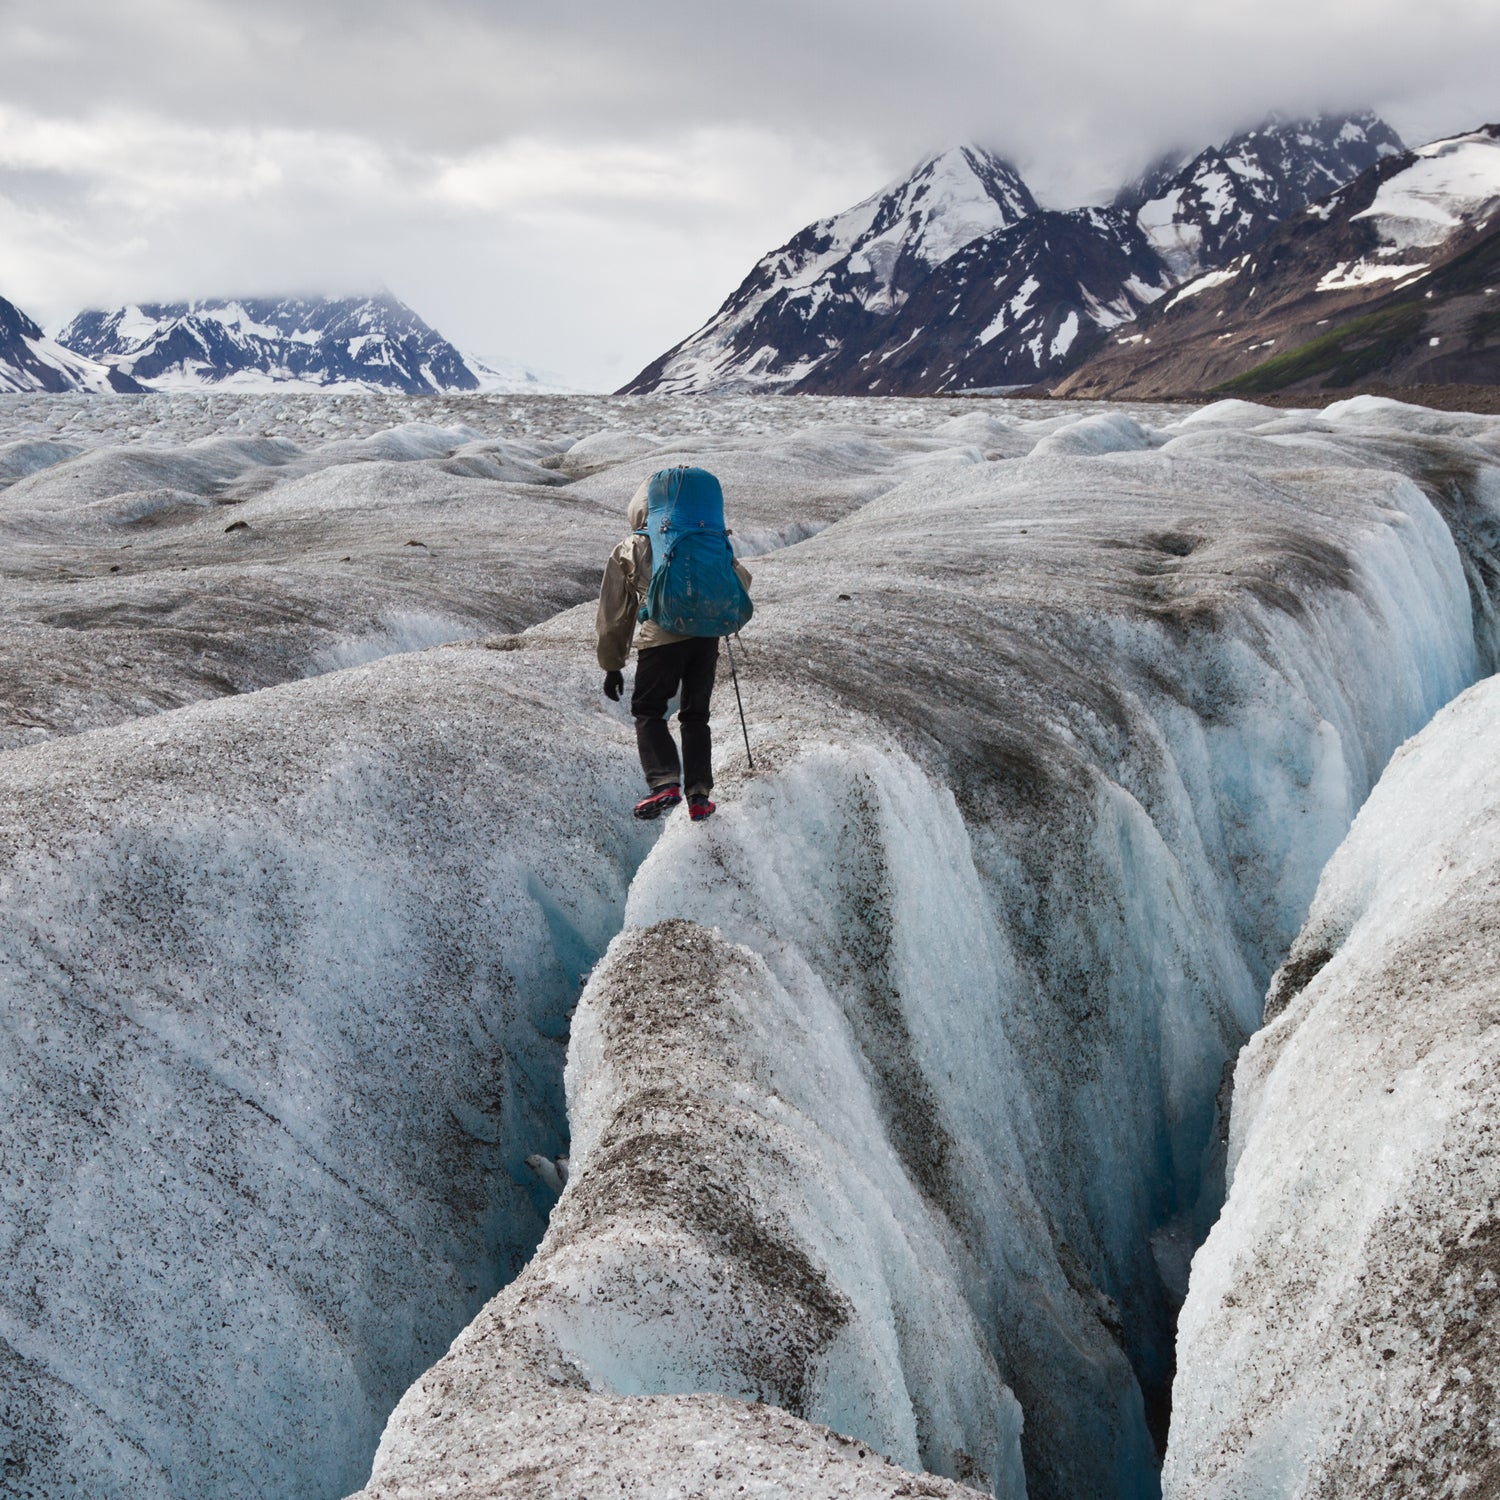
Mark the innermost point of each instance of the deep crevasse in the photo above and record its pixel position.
(287, 975)
(1339, 1336)
(1001, 905)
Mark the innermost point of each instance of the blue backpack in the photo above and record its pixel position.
(694, 588)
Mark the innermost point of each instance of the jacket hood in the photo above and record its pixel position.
(635, 512)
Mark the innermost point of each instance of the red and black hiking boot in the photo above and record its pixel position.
(699, 807)
(663, 799)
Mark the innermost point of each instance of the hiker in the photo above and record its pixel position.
(677, 578)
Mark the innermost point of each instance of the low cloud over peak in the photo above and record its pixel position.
(577, 182)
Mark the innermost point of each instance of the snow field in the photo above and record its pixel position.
(1452, 182)
(1339, 1333)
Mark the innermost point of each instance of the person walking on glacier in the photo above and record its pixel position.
(676, 577)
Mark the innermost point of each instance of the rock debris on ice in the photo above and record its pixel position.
(893, 1094)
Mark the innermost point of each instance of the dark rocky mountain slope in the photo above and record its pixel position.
(1395, 279)
(1203, 211)
(953, 279)
(831, 290)
(30, 361)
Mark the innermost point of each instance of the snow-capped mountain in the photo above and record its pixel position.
(30, 361)
(829, 289)
(1201, 212)
(1010, 306)
(367, 343)
(954, 279)
(501, 376)
(1394, 278)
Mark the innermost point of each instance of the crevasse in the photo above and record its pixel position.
(1032, 830)
(895, 1101)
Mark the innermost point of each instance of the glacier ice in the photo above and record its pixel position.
(143, 577)
(287, 977)
(892, 1092)
(1057, 751)
(1339, 1336)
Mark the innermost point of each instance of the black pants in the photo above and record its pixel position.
(659, 672)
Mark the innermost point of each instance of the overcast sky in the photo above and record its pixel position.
(579, 184)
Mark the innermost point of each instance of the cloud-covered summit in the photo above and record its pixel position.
(576, 184)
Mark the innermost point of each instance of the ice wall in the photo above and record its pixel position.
(1051, 754)
(1051, 747)
(1341, 1331)
(286, 987)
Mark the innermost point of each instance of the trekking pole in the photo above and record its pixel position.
(736, 676)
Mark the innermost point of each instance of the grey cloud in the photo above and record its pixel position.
(1051, 83)
(844, 95)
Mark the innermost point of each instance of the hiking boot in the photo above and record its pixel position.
(663, 799)
(699, 807)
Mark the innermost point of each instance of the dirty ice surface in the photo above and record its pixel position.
(893, 1093)
(1341, 1332)
(161, 550)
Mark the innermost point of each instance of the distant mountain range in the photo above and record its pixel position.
(1301, 255)
(255, 343)
(30, 361)
(252, 344)
(953, 279)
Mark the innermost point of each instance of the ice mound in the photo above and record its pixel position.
(994, 437)
(17, 460)
(101, 473)
(603, 450)
(1341, 1331)
(1377, 412)
(705, 1248)
(1230, 415)
(406, 443)
(1108, 432)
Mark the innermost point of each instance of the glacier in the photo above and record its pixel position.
(894, 1094)
(1339, 1336)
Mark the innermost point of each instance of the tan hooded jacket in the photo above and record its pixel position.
(627, 576)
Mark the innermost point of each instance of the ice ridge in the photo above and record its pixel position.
(1008, 932)
(893, 1091)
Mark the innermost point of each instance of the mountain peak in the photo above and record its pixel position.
(30, 361)
(1225, 199)
(952, 198)
(804, 300)
(374, 341)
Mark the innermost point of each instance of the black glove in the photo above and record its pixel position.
(614, 685)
